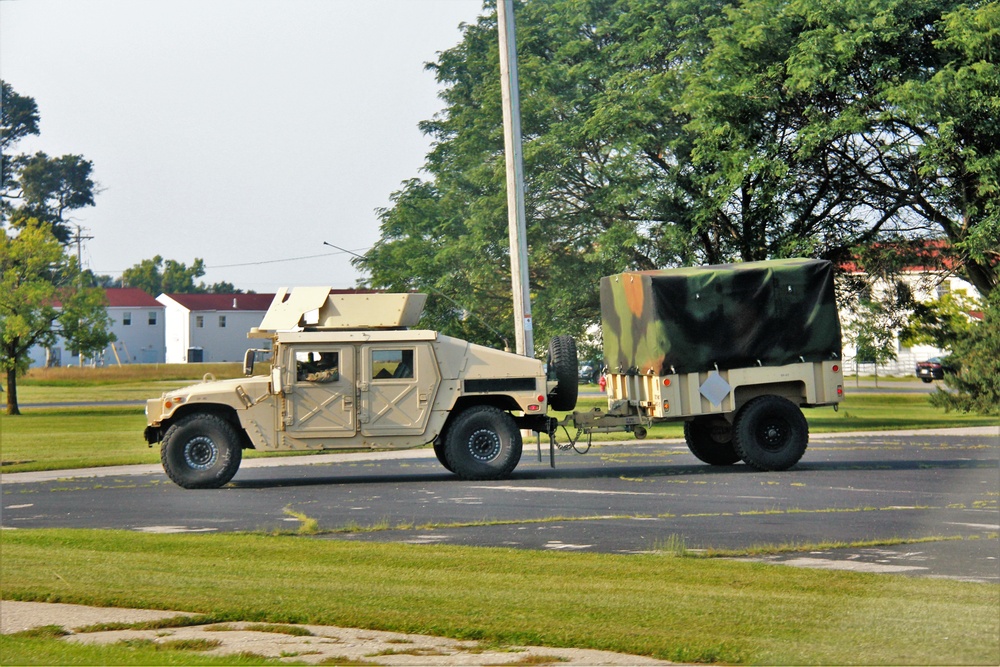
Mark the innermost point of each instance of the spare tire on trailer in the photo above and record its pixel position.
(563, 369)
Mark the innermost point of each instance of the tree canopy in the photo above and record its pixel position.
(694, 131)
(38, 187)
(157, 276)
(41, 300)
(44, 295)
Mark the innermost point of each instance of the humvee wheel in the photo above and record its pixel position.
(770, 433)
(201, 451)
(710, 439)
(563, 369)
(439, 453)
(482, 443)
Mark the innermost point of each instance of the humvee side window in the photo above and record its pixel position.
(392, 364)
(316, 366)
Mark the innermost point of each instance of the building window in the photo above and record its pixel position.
(127, 319)
(199, 321)
(222, 321)
(152, 318)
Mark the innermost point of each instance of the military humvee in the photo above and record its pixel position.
(347, 373)
(734, 351)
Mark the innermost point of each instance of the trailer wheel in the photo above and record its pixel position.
(563, 369)
(770, 433)
(201, 451)
(710, 439)
(482, 443)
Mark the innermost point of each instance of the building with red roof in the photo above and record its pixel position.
(137, 321)
(210, 327)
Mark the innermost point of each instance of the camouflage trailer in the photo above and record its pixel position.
(734, 351)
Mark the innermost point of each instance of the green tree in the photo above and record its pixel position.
(41, 299)
(874, 322)
(157, 276)
(941, 322)
(658, 134)
(50, 188)
(976, 385)
(18, 119)
(38, 187)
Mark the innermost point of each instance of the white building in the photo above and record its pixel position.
(210, 327)
(137, 321)
(925, 285)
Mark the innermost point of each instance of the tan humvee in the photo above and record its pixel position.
(347, 373)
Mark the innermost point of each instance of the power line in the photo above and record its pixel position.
(290, 259)
(270, 261)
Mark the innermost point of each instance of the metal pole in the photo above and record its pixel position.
(524, 337)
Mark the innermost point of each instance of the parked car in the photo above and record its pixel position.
(934, 369)
(590, 372)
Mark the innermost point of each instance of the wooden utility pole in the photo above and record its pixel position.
(524, 336)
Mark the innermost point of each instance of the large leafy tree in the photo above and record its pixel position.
(976, 385)
(41, 299)
(157, 276)
(38, 187)
(659, 134)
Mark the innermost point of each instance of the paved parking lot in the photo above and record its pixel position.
(934, 492)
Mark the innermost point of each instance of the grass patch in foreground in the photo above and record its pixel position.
(687, 610)
(25, 649)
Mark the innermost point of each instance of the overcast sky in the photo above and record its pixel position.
(243, 132)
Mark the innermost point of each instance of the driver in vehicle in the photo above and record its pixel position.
(323, 370)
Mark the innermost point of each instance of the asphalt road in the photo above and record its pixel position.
(619, 498)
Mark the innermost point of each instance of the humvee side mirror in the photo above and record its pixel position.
(248, 359)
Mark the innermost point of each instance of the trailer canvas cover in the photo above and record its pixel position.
(685, 320)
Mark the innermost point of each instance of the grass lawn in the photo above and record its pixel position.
(677, 608)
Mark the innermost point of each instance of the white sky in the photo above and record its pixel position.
(238, 131)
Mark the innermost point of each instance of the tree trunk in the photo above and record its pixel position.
(12, 408)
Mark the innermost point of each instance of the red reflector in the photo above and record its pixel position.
(540, 399)
(840, 391)
(666, 382)
(836, 368)
(533, 408)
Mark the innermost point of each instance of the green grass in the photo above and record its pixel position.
(70, 437)
(24, 649)
(681, 609)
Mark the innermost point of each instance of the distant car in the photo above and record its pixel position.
(933, 369)
(590, 372)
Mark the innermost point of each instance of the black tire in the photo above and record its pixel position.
(201, 451)
(563, 369)
(710, 439)
(439, 453)
(927, 380)
(482, 443)
(770, 433)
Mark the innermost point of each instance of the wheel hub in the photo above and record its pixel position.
(772, 435)
(484, 445)
(200, 453)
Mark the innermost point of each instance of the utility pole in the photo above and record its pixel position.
(524, 336)
(78, 239)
